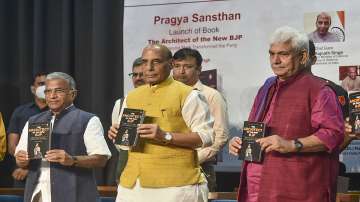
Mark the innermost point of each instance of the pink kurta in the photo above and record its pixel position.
(326, 118)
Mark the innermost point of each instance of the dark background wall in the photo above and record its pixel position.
(79, 37)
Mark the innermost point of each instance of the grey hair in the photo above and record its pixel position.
(63, 76)
(137, 62)
(298, 40)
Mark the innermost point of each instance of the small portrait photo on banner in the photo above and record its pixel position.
(325, 26)
(349, 77)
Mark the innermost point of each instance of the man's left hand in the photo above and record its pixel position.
(276, 143)
(151, 131)
(59, 156)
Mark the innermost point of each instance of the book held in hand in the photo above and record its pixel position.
(127, 132)
(38, 140)
(354, 112)
(250, 149)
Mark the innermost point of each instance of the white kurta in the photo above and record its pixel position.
(94, 142)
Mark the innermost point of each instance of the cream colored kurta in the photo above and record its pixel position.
(218, 110)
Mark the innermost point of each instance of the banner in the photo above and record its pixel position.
(233, 38)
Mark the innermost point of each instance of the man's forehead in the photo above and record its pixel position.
(281, 46)
(137, 69)
(56, 82)
(158, 50)
(187, 59)
(352, 69)
(152, 54)
(40, 78)
(324, 18)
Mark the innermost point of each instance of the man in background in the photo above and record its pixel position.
(322, 34)
(186, 69)
(352, 81)
(137, 77)
(117, 163)
(18, 119)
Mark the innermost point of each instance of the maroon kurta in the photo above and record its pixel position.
(306, 177)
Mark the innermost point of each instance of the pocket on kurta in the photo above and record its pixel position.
(172, 119)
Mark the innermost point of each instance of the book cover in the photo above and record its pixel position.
(38, 140)
(127, 133)
(209, 78)
(250, 149)
(354, 111)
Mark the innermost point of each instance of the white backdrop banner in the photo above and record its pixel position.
(232, 37)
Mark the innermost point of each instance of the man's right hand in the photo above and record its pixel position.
(112, 132)
(235, 145)
(22, 158)
(20, 173)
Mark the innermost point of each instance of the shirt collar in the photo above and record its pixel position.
(198, 85)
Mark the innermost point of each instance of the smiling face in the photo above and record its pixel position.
(156, 65)
(58, 95)
(285, 62)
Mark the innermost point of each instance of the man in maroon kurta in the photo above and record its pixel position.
(305, 129)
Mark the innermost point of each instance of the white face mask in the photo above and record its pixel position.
(40, 92)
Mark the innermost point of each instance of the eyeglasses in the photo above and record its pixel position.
(56, 91)
(135, 74)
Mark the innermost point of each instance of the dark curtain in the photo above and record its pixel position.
(79, 37)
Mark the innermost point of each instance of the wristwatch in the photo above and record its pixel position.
(298, 145)
(167, 138)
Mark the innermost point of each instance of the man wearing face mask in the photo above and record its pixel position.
(18, 119)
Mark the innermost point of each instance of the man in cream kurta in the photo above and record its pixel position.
(166, 169)
(186, 69)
